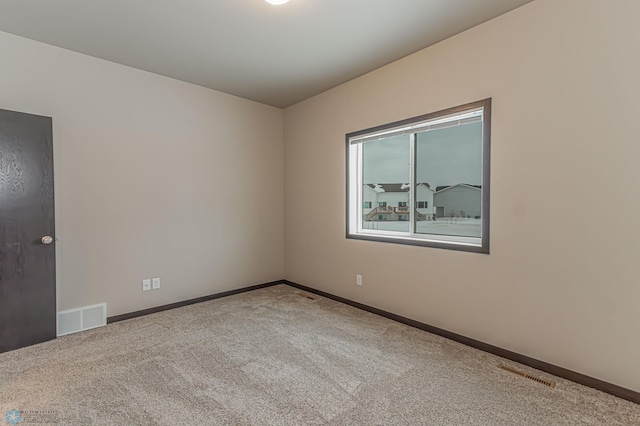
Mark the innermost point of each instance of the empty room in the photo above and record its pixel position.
(319, 212)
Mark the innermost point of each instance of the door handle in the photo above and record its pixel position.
(47, 240)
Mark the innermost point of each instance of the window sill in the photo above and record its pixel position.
(473, 245)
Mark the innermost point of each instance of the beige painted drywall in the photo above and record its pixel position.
(153, 178)
(561, 283)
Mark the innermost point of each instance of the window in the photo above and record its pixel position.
(367, 204)
(441, 159)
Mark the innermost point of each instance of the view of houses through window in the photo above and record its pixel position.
(423, 182)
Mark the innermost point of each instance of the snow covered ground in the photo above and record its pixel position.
(442, 226)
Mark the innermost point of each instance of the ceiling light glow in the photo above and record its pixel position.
(277, 2)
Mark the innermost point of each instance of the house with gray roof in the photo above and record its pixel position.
(459, 200)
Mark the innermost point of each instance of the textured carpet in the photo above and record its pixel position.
(275, 357)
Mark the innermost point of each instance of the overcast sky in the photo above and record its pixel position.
(445, 157)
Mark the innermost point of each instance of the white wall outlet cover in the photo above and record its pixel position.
(358, 279)
(156, 283)
(146, 285)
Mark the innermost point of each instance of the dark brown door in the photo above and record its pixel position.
(27, 257)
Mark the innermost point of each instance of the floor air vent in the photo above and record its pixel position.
(306, 296)
(75, 320)
(528, 376)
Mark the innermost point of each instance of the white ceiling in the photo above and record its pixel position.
(277, 55)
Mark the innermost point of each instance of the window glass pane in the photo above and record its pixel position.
(385, 179)
(449, 180)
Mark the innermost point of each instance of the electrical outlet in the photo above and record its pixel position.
(146, 285)
(156, 283)
(358, 279)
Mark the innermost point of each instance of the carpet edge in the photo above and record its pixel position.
(153, 310)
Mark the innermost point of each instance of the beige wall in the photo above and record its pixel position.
(561, 283)
(153, 178)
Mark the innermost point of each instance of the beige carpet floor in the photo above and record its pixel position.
(275, 357)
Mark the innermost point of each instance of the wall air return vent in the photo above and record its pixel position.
(74, 320)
